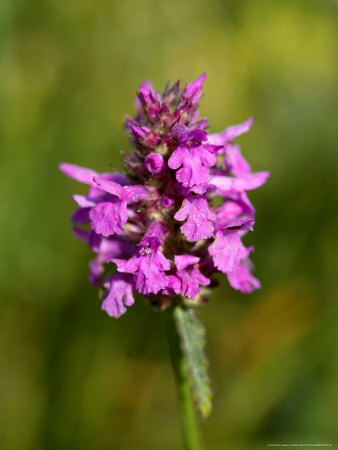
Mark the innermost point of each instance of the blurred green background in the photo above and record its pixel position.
(72, 378)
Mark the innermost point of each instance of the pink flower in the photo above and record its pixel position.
(148, 264)
(110, 217)
(227, 250)
(189, 274)
(242, 279)
(119, 294)
(176, 173)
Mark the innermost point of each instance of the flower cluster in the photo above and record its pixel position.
(177, 215)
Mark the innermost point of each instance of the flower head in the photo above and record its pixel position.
(177, 216)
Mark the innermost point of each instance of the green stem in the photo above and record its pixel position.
(186, 403)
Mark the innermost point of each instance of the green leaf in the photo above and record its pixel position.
(192, 341)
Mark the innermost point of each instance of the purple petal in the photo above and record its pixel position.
(115, 247)
(188, 138)
(127, 266)
(98, 195)
(81, 215)
(244, 183)
(235, 205)
(82, 234)
(119, 293)
(133, 194)
(95, 241)
(241, 278)
(148, 271)
(235, 162)
(183, 261)
(173, 287)
(230, 133)
(150, 277)
(200, 218)
(109, 186)
(191, 281)
(155, 230)
(177, 158)
(96, 270)
(106, 249)
(83, 201)
(228, 250)
(78, 173)
(203, 188)
(109, 218)
(242, 224)
(179, 132)
(116, 177)
(190, 275)
(195, 162)
(128, 193)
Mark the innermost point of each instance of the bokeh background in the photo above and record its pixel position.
(72, 378)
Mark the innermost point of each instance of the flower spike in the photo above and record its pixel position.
(177, 216)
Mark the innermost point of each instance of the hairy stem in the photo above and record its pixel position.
(186, 403)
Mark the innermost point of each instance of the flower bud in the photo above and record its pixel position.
(166, 202)
(154, 163)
